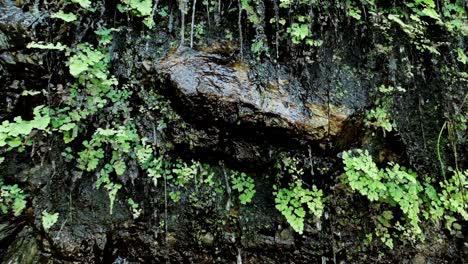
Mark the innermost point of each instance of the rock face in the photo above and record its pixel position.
(84, 225)
(215, 90)
(15, 25)
(19, 69)
(25, 248)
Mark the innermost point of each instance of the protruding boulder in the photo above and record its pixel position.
(215, 90)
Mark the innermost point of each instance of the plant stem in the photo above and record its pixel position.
(241, 39)
(193, 22)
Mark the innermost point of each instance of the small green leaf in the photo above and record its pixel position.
(86, 4)
(67, 17)
(48, 220)
(120, 167)
(67, 126)
(47, 46)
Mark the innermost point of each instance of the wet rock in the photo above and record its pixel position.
(260, 242)
(418, 259)
(171, 240)
(84, 222)
(15, 25)
(286, 234)
(215, 90)
(19, 69)
(9, 229)
(36, 176)
(24, 249)
(81, 233)
(207, 239)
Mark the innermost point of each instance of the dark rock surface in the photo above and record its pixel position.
(19, 69)
(16, 26)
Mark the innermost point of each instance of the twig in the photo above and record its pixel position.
(165, 216)
(193, 22)
(438, 150)
(241, 39)
(208, 14)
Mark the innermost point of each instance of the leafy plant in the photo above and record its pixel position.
(48, 220)
(184, 173)
(140, 8)
(86, 4)
(379, 117)
(12, 198)
(122, 141)
(88, 62)
(245, 185)
(294, 202)
(136, 210)
(175, 196)
(105, 35)
(290, 166)
(353, 11)
(207, 175)
(46, 46)
(111, 187)
(155, 166)
(13, 135)
(67, 17)
(300, 33)
(395, 185)
(399, 187)
(451, 198)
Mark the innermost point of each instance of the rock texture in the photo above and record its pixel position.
(213, 89)
(19, 69)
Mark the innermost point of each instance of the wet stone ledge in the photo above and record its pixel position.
(214, 91)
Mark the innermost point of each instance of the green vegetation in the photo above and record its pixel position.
(67, 17)
(296, 200)
(140, 8)
(380, 117)
(175, 196)
(48, 220)
(15, 134)
(399, 187)
(136, 210)
(12, 199)
(245, 185)
(293, 201)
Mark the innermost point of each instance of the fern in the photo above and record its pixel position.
(293, 201)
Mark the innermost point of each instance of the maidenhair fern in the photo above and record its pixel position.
(399, 187)
(13, 134)
(140, 8)
(245, 185)
(296, 201)
(12, 199)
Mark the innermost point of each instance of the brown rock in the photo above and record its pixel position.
(215, 88)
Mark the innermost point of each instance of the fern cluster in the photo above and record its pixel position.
(245, 185)
(295, 201)
(399, 187)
